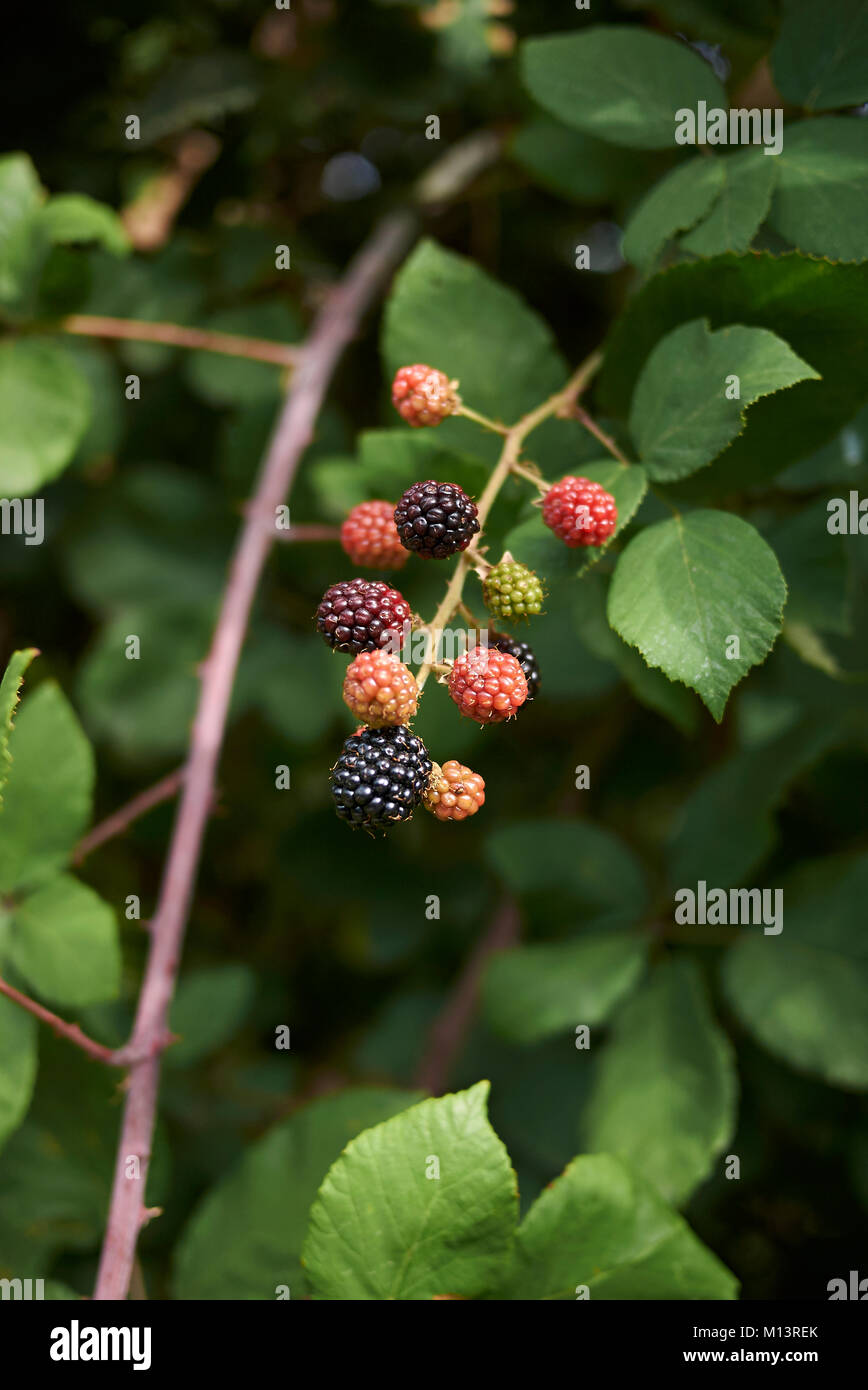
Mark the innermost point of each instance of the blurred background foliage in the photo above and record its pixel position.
(315, 122)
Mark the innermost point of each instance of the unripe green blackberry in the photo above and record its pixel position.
(511, 590)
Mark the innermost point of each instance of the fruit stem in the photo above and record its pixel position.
(482, 420)
(605, 439)
(562, 404)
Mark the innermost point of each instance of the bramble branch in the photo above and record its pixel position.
(70, 1031)
(178, 335)
(122, 819)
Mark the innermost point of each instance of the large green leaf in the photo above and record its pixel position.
(815, 568)
(445, 311)
(602, 1226)
(17, 1065)
(820, 59)
(740, 207)
(577, 857)
(674, 204)
(245, 1237)
(665, 1091)
(821, 195)
(685, 587)
(534, 991)
(418, 1207)
(804, 993)
(683, 415)
(47, 802)
(10, 687)
(620, 83)
(817, 307)
(45, 406)
(64, 941)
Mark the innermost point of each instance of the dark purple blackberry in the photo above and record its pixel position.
(380, 776)
(523, 655)
(436, 519)
(362, 615)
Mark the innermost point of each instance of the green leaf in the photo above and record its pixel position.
(682, 415)
(245, 1237)
(17, 1065)
(535, 545)
(620, 83)
(664, 1095)
(685, 587)
(47, 802)
(817, 307)
(821, 196)
(21, 196)
(602, 1226)
(384, 1227)
(45, 405)
(674, 204)
(210, 1005)
(445, 311)
(64, 941)
(574, 165)
(10, 687)
(820, 59)
(741, 206)
(802, 993)
(575, 856)
(73, 217)
(534, 991)
(727, 826)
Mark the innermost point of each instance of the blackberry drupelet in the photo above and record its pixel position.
(380, 776)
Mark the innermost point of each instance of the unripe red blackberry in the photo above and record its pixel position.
(580, 512)
(379, 689)
(422, 395)
(362, 615)
(511, 590)
(436, 519)
(523, 655)
(453, 791)
(369, 537)
(488, 685)
(380, 776)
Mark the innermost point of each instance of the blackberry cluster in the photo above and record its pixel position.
(362, 615)
(436, 519)
(380, 776)
(523, 655)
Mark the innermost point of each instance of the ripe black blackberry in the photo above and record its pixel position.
(380, 776)
(523, 655)
(436, 519)
(362, 615)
